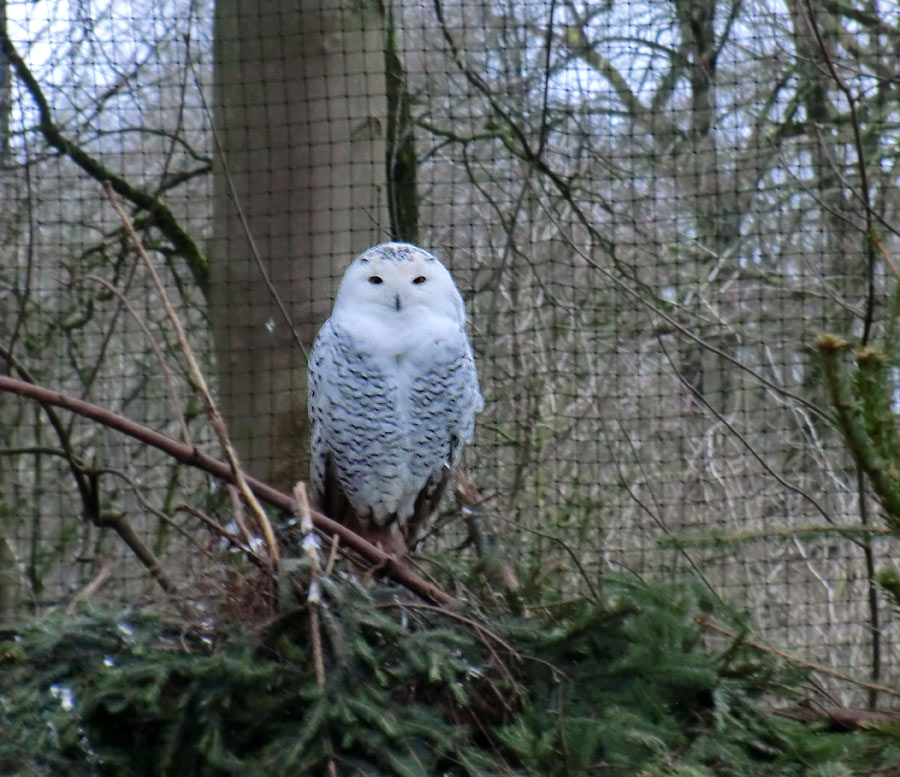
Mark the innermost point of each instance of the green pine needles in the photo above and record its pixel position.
(623, 686)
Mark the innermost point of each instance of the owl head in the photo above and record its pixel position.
(393, 279)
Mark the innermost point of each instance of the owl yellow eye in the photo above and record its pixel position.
(376, 279)
(420, 279)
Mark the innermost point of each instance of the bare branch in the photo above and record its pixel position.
(163, 217)
(154, 346)
(189, 455)
(863, 174)
(218, 423)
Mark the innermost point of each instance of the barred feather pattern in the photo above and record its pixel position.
(393, 394)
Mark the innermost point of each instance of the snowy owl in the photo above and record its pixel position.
(393, 394)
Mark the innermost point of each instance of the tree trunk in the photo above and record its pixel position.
(300, 107)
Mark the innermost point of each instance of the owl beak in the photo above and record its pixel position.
(397, 302)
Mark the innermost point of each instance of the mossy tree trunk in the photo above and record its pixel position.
(300, 110)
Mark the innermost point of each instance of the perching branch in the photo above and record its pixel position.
(189, 455)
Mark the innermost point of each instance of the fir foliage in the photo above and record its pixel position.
(625, 685)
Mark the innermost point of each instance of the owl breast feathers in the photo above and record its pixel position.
(393, 394)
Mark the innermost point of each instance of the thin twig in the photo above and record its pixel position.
(478, 627)
(571, 553)
(98, 581)
(698, 395)
(85, 480)
(218, 423)
(164, 218)
(488, 638)
(314, 596)
(715, 539)
(76, 467)
(332, 554)
(863, 173)
(655, 515)
(120, 524)
(25, 294)
(645, 300)
(314, 593)
(154, 346)
(705, 622)
(223, 532)
(237, 513)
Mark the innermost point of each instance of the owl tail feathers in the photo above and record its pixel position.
(389, 538)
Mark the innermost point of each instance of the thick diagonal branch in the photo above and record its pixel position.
(188, 454)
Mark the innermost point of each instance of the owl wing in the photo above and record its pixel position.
(359, 443)
(444, 399)
(333, 386)
(385, 436)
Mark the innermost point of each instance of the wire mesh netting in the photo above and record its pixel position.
(653, 210)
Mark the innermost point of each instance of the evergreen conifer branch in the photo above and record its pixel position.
(414, 693)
